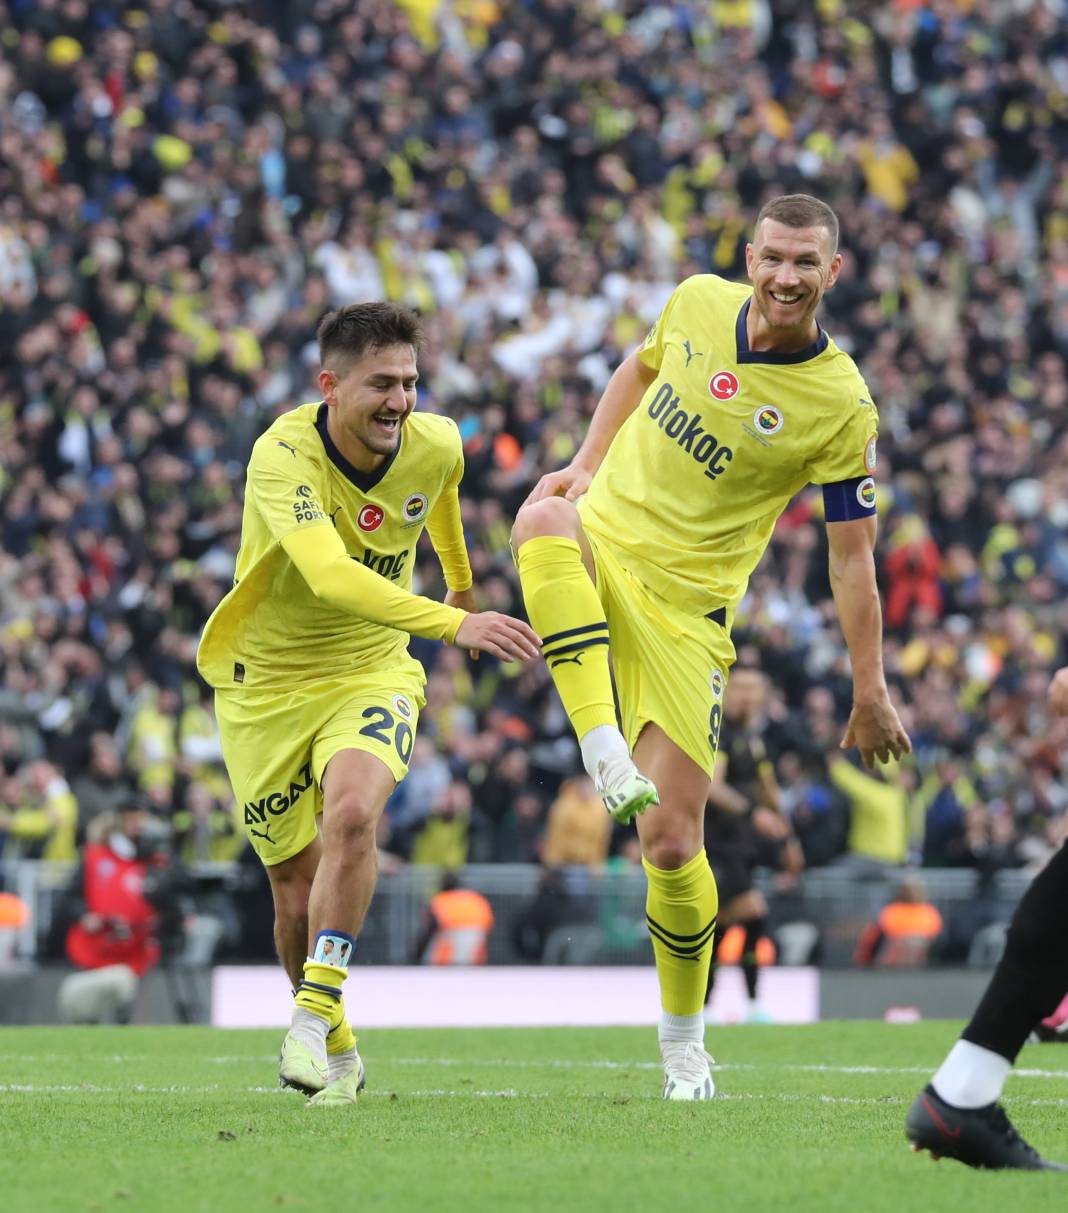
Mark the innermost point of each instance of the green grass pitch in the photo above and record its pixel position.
(806, 1119)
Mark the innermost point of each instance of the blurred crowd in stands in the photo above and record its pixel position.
(187, 185)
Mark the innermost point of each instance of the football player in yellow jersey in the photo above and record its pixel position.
(316, 695)
(643, 545)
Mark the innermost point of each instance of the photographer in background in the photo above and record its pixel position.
(113, 934)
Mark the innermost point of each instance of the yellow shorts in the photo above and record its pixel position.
(670, 667)
(276, 745)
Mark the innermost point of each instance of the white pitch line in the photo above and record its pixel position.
(718, 1067)
(565, 1064)
(820, 1069)
(507, 1093)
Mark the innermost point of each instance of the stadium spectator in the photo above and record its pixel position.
(551, 906)
(40, 819)
(878, 830)
(103, 786)
(443, 840)
(112, 932)
(903, 932)
(456, 927)
(577, 830)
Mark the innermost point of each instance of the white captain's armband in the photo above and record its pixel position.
(849, 499)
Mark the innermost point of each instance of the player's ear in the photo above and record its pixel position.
(749, 259)
(834, 271)
(327, 384)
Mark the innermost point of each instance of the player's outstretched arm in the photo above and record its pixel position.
(874, 727)
(333, 576)
(621, 396)
(507, 638)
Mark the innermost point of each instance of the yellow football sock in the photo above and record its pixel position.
(566, 613)
(340, 1037)
(320, 991)
(680, 911)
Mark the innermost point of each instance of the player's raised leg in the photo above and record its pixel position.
(681, 907)
(356, 786)
(958, 1115)
(556, 569)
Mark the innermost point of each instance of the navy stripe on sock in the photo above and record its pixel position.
(572, 648)
(695, 956)
(314, 985)
(586, 627)
(683, 953)
(680, 938)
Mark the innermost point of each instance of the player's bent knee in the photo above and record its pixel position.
(669, 851)
(351, 817)
(550, 516)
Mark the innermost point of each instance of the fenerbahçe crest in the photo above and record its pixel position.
(866, 492)
(768, 419)
(415, 508)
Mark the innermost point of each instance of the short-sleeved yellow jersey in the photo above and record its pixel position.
(271, 631)
(692, 485)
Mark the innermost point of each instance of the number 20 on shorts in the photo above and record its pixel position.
(383, 726)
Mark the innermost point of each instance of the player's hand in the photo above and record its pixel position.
(491, 632)
(465, 600)
(874, 728)
(570, 483)
(1058, 692)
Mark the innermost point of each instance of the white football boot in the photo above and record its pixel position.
(624, 790)
(347, 1079)
(302, 1067)
(686, 1070)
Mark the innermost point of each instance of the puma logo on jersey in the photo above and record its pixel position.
(691, 353)
(291, 449)
(264, 833)
(688, 432)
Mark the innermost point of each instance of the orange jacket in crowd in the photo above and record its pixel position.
(462, 920)
(902, 934)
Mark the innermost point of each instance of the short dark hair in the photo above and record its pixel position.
(800, 210)
(346, 334)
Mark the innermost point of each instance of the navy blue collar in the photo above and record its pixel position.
(364, 481)
(745, 354)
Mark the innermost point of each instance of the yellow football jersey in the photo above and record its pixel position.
(271, 630)
(691, 487)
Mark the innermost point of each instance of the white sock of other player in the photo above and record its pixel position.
(971, 1076)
